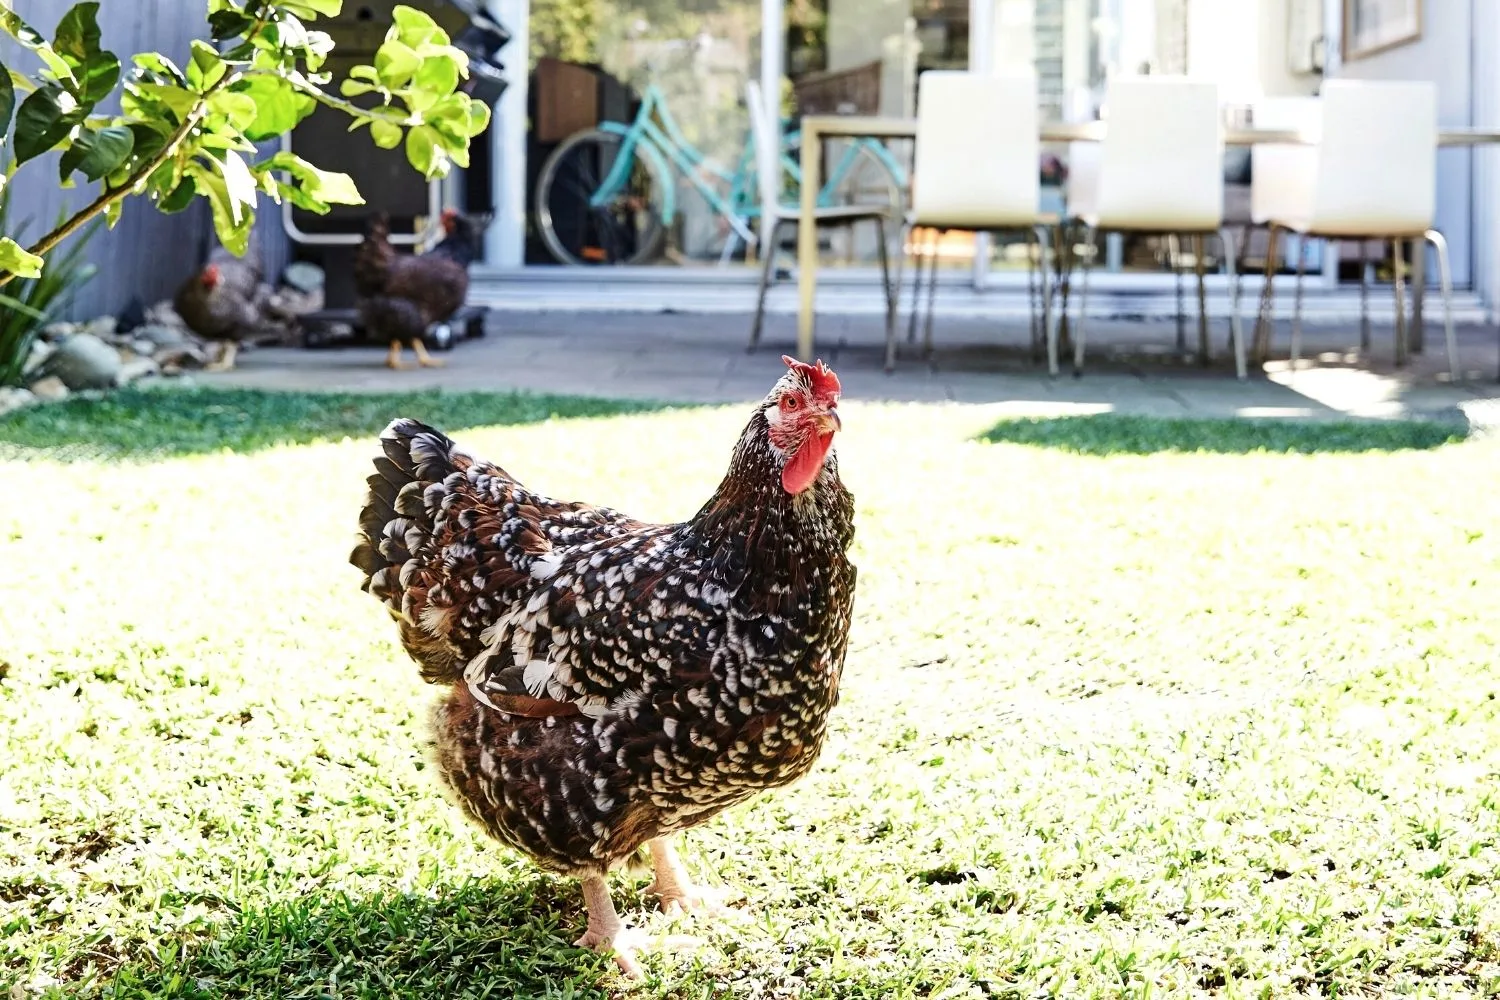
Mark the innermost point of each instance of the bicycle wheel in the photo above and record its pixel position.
(625, 230)
(865, 179)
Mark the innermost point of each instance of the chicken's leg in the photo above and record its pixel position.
(393, 357)
(423, 358)
(606, 931)
(674, 888)
(225, 362)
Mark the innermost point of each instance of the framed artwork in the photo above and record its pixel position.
(1372, 26)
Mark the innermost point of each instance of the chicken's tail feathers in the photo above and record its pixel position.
(398, 518)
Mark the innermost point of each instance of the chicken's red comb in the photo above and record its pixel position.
(824, 381)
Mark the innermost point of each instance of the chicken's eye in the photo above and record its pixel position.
(790, 403)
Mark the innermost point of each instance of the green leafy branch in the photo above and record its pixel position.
(190, 132)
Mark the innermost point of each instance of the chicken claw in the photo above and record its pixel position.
(675, 890)
(423, 358)
(608, 933)
(393, 357)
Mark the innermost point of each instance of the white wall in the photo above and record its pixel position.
(1444, 55)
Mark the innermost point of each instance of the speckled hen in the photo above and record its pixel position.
(612, 682)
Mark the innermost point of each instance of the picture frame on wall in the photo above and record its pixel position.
(1372, 26)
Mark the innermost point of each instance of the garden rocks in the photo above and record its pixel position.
(49, 389)
(84, 361)
(40, 352)
(12, 399)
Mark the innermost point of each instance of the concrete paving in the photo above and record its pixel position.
(1132, 367)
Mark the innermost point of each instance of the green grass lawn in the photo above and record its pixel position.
(1131, 708)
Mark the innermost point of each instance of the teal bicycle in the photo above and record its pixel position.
(608, 195)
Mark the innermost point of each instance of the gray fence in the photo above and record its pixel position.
(147, 255)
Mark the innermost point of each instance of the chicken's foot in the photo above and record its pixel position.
(225, 361)
(608, 933)
(423, 358)
(674, 888)
(393, 357)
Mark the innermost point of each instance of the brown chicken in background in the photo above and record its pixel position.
(222, 303)
(402, 295)
(612, 682)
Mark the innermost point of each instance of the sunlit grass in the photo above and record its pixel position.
(1171, 721)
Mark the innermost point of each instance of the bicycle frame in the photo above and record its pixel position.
(665, 143)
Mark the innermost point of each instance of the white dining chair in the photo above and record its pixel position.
(977, 170)
(779, 215)
(1160, 170)
(1375, 178)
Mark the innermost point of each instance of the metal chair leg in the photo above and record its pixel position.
(767, 275)
(931, 296)
(1263, 320)
(1445, 279)
(1204, 351)
(1049, 333)
(1399, 264)
(1236, 333)
(1297, 302)
(1031, 304)
(1174, 261)
(1091, 238)
(916, 288)
(1364, 299)
(890, 296)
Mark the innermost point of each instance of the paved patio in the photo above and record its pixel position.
(1132, 367)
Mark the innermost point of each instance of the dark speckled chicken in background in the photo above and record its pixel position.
(613, 682)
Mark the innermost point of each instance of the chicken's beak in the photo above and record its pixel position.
(831, 422)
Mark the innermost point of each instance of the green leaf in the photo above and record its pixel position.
(155, 62)
(41, 123)
(239, 185)
(313, 8)
(179, 100)
(414, 27)
(279, 106)
(7, 101)
(207, 68)
(32, 39)
(437, 75)
(15, 260)
(228, 23)
(324, 185)
(114, 211)
(239, 109)
(232, 228)
(385, 134)
(424, 150)
(396, 62)
(180, 198)
(97, 153)
(78, 35)
(98, 77)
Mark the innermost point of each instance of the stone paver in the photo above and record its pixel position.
(701, 358)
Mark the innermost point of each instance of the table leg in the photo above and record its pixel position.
(807, 244)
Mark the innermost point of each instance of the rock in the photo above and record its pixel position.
(180, 356)
(103, 327)
(83, 361)
(295, 302)
(137, 368)
(161, 335)
(164, 314)
(40, 352)
(303, 276)
(59, 331)
(13, 398)
(49, 389)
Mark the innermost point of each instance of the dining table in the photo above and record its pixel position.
(816, 128)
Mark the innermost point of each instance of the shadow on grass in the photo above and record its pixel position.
(475, 939)
(145, 424)
(1108, 434)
